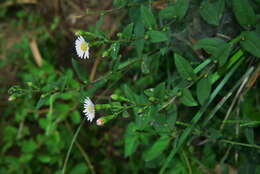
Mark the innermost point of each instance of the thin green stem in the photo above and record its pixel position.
(241, 144)
(187, 161)
(71, 145)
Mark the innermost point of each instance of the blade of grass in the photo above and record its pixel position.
(238, 94)
(197, 117)
(226, 97)
(241, 144)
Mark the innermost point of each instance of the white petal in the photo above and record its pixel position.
(87, 54)
(84, 53)
(81, 38)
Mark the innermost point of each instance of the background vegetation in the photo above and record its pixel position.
(177, 81)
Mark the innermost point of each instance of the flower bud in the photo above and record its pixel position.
(102, 120)
(117, 97)
(11, 98)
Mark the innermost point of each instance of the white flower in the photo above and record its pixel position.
(89, 109)
(82, 47)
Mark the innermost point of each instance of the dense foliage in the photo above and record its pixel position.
(176, 86)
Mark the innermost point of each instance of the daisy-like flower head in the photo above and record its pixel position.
(82, 47)
(89, 109)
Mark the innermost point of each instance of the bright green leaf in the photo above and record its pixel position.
(80, 168)
(44, 158)
(131, 140)
(187, 98)
(29, 146)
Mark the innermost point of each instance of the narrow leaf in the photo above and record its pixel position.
(203, 90)
(127, 32)
(131, 140)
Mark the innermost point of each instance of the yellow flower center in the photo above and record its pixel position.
(91, 109)
(84, 46)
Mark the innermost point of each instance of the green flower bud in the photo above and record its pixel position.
(118, 97)
(102, 120)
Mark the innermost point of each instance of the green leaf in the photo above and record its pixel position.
(127, 32)
(212, 12)
(44, 100)
(75, 117)
(222, 53)
(251, 42)
(181, 8)
(80, 70)
(209, 44)
(115, 49)
(209, 156)
(244, 13)
(177, 11)
(187, 99)
(148, 17)
(203, 90)
(80, 168)
(168, 13)
(159, 90)
(184, 68)
(44, 158)
(131, 140)
(139, 33)
(157, 148)
(157, 36)
(145, 65)
(29, 146)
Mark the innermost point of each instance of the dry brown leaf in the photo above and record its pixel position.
(160, 4)
(10, 3)
(253, 78)
(36, 53)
